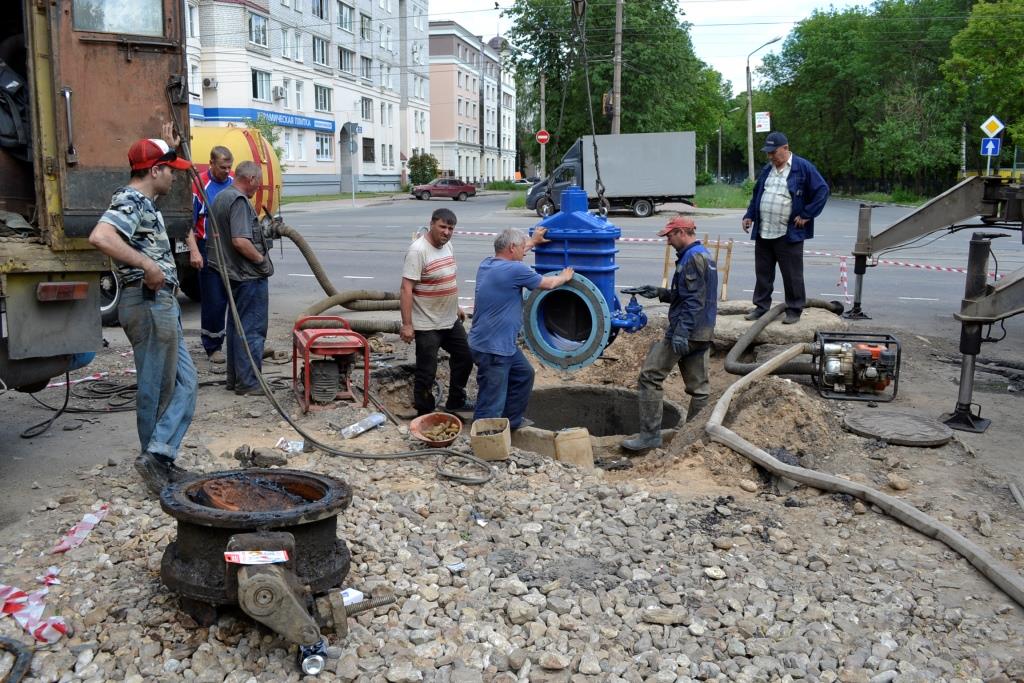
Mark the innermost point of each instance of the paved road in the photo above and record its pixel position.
(362, 248)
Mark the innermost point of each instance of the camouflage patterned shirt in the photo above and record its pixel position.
(142, 226)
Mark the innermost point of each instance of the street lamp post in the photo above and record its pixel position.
(750, 111)
(718, 178)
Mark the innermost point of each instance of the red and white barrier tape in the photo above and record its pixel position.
(843, 283)
(79, 532)
(658, 240)
(27, 609)
(88, 378)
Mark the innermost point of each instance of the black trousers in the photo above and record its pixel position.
(789, 256)
(454, 341)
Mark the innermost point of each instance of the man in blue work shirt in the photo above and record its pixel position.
(693, 307)
(504, 377)
(213, 296)
(788, 196)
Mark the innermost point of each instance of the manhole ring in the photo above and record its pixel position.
(898, 428)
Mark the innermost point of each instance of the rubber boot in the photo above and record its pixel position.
(650, 428)
(696, 405)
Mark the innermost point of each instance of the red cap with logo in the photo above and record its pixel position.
(678, 223)
(150, 152)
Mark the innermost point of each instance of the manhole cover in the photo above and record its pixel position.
(901, 429)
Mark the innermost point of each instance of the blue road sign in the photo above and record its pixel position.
(990, 147)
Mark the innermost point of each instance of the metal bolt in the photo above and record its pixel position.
(263, 597)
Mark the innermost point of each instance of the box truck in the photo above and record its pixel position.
(638, 170)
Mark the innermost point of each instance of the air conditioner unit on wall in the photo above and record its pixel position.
(210, 83)
(278, 92)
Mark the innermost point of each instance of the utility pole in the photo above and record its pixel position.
(543, 148)
(617, 72)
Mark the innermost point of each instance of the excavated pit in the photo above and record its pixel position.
(608, 413)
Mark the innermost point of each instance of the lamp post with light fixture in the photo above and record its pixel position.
(750, 111)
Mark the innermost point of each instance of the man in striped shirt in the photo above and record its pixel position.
(429, 302)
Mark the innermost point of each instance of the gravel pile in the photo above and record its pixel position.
(573, 577)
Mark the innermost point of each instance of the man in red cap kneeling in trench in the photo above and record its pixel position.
(693, 306)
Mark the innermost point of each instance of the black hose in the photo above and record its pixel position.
(732, 360)
(366, 299)
(22, 658)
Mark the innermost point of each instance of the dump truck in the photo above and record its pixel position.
(638, 170)
(85, 82)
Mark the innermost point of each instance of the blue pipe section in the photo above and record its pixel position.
(588, 305)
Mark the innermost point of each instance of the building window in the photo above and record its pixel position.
(287, 93)
(193, 21)
(365, 28)
(391, 156)
(324, 147)
(366, 68)
(297, 47)
(460, 106)
(322, 97)
(367, 106)
(194, 80)
(299, 104)
(369, 150)
(320, 52)
(460, 79)
(346, 60)
(460, 133)
(383, 119)
(260, 85)
(319, 9)
(300, 143)
(288, 152)
(383, 155)
(258, 30)
(287, 46)
(391, 116)
(345, 16)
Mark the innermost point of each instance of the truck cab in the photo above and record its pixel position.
(93, 81)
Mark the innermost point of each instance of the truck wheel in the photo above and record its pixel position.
(545, 207)
(424, 195)
(110, 295)
(462, 197)
(642, 208)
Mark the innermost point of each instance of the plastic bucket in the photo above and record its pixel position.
(573, 446)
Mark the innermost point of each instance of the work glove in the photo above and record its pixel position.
(652, 292)
(680, 345)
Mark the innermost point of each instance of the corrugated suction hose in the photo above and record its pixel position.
(353, 300)
(732, 360)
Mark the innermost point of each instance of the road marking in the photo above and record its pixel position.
(471, 282)
(465, 298)
(357, 277)
(301, 275)
(916, 298)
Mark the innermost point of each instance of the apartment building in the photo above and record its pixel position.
(345, 82)
(472, 100)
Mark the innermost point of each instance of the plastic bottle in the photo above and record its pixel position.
(366, 424)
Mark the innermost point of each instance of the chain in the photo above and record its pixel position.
(579, 11)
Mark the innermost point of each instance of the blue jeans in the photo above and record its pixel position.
(214, 304)
(166, 397)
(252, 298)
(503, 384)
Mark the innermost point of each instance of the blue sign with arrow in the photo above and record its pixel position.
(990, 147)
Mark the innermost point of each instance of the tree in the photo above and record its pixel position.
(986, 69)
(423, 168)
(665, 87)
(270, 133)
(860, 93)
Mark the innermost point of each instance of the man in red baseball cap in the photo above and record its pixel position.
(132, 233)
(693, 307)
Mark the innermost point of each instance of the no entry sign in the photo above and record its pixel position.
(543, 136)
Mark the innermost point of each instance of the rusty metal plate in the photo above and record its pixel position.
(899, 428)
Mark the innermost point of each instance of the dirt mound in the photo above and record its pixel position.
(779, 413)
(619, 365)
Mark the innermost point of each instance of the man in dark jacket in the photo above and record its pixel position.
(788, 196)
(693, 307)
(243, 253)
